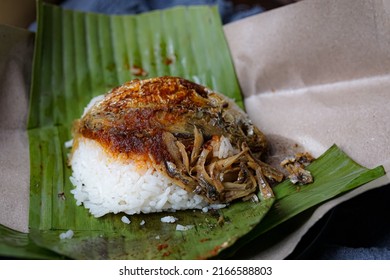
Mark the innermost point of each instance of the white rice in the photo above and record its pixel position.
(69, 144)
(105, 185)
(94, 101)
(223, 148)
(67, 235)
(183, 228)
(168, 219)
(125, 220)
(213, 207)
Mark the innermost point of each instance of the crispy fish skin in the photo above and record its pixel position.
(180, 126)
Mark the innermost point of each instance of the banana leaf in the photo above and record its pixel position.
(14, 244)
(81, 55)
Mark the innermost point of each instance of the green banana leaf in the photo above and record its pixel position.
(81, 55)
(19, 245)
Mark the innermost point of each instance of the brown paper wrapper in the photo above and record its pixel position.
(313, 74)
(16, 50)
(316, 73)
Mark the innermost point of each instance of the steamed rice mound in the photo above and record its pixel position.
(104, 184)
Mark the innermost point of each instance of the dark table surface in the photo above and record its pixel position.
(356, 229)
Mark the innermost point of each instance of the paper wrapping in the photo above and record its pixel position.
(313, 73)
(316, 73)
(16, 50)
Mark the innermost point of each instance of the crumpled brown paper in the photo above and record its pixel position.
(313, 74)
(317, 73)
(16, 50)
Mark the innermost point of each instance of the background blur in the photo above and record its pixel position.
(21, 13)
